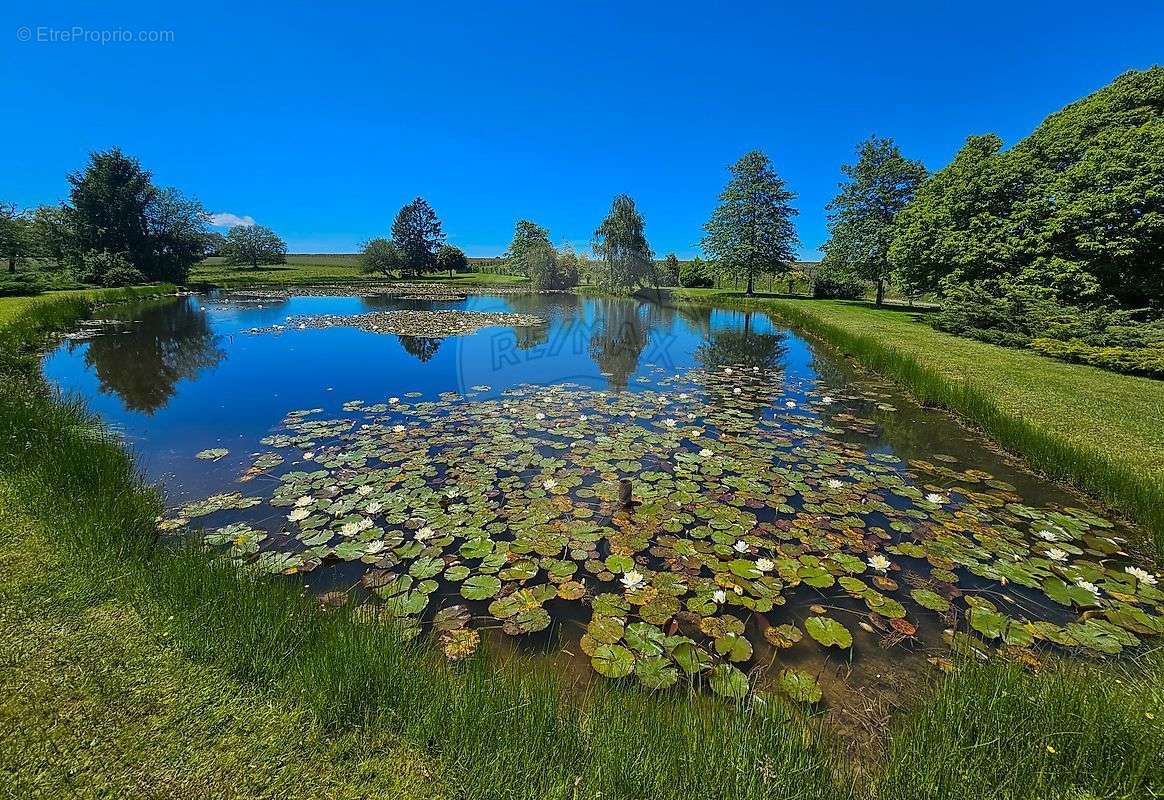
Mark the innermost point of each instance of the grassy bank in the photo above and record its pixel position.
(308, 270)
(1094, 429)
(191, 677)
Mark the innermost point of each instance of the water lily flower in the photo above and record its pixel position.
(364, 523)
(835, 483)
(393, 401)
(755, 369)
(375, 507)
(540, 415)
(738, 589)
(365, 490)
(670, 423)
(425, 533)
(719, 595)
(1141, 575)
(582, 418)
(632, 580)
(298, 514)
(305, 500)
(1055, 554)
(398, 429)
(683, 395)
(705, 453)
(308, 456)
(1047, 536)
(727, 370)
(690, 416)
(765, 564)
(349, 529)
(790, 404)
(937, 499)
(741, 546)
(826, 400)
(1089, 586)
(549, 483)
(736, 390)
(879, 562)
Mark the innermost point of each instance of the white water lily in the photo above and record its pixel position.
(305, 500)
(765, 564)
(1055, 554)
(582, 418)
(298, 514)
(1141, 575)
(365, 490)
(364, 523)
(540, 415)
(398, 429)
(375, 507)
(632, 580)
(727, 370)
(425, 533)
(741, 546)
(834, 483)
(826, 400)
(790, 404)
(683, 395)
(549, 483)
(1047, 536)
(755, 369)
(719, 595)
(349, 529)
(937, 499)
(308, 456)
(736, 390)
(393, 401)
(1089, 586)
(690, 416)
(670, 423)
(705, 453)
(879, 562)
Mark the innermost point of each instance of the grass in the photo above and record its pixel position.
(1094, 429)
(307, 270)
(139, 668)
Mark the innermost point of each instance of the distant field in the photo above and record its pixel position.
(303, 269)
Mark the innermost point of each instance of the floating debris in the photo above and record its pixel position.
(428, 324)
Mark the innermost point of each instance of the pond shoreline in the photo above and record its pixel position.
(621, 743)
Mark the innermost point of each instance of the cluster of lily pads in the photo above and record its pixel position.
(408, 322)
(753, 521)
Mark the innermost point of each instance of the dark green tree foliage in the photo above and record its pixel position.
(1077, 206)
(751, 231)
(117, 209)
(527, 236)
(862, 215)
(451, 259)
(16, 235)
(621, 243)
(669, 270)
(417, 234)
(382, 256)
(254, 245)
(695, 274)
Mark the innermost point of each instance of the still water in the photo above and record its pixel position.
(791, 523)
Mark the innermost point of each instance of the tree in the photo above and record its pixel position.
(417, 234)
(53, 232)
(670, 270)
(16, 235)
(620, 241)
(751, 231)
(254, 245)
(527, 237)
(452, 259)
(381, 255)
(695, 274)
(117, 209)
(861, 222)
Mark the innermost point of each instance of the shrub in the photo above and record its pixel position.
(694, 274)
(103, 268)
(13, 284)
(836, 284)
(1146, 361)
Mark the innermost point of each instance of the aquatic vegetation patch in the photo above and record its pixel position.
(429, 324)
(757, 533)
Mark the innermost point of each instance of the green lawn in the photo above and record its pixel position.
(305, 270)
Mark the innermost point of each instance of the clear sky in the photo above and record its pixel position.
(321, 119)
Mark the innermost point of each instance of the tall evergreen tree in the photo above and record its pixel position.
(751, 231)
(862, 216)
(417, 234)
(621, 242)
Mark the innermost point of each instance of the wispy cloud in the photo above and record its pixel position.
(225, 219)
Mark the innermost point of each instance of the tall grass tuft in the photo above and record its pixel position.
(499, 731)
(996, 732)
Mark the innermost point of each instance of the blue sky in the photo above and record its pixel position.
(320, 120)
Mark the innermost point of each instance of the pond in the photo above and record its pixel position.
(663, 493)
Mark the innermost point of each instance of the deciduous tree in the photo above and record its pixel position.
(254, 245)
(621, 243)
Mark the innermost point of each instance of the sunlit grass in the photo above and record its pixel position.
(307, 270)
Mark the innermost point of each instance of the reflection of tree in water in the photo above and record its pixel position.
(744, 350)
(422, 348)
(171, 342)
(618, 340)
(531, 336)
